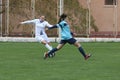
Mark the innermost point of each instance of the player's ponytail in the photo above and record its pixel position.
(62, 17)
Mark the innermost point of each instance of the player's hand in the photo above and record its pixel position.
(74, 34)
(19, 25)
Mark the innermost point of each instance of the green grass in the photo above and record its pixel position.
(24, 61)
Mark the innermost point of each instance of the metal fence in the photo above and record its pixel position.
(81, 18)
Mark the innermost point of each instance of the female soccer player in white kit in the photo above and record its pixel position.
(40, 34)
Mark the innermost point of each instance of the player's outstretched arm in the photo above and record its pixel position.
(54, 26)
(25, 22)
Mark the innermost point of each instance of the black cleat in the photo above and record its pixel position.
(53, 54)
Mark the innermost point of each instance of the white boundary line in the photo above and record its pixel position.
(53, 39)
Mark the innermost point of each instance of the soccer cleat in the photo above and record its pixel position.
(46, 55)
(53, 54)
(87, 56)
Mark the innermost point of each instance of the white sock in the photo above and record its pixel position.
(48, 47)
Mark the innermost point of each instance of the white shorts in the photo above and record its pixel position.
(42, 38)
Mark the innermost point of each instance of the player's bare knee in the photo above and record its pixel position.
(77, 44)
(44, 42)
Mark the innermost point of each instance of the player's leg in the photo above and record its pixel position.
(86, 56)
(75, 43)
(44, 42)
(60, 45)
(45, 37)
(48, 42)
(47, 54)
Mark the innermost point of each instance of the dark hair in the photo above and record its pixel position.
(62, 17)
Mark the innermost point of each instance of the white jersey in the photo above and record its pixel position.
(39, 26)
(40, 34)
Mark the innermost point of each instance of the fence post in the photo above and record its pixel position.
(0, 18)
(115, 17)
(89, 17)
(33, 15)
(61, 5)
(7, 17)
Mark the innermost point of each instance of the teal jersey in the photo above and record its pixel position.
(65, 30)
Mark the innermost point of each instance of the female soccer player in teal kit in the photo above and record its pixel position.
(66, 37)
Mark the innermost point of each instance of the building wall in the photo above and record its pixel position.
(104, 15)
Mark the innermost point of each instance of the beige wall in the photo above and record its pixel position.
(104, 14)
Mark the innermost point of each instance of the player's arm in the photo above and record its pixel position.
(28, 22)
(48, 25)
(73, 33)
(54, 26)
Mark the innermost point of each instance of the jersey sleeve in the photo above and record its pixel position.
(57, 25)
(48, 25)
(60, 24)
(29, 22)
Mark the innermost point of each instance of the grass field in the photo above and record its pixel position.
(24, 61)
